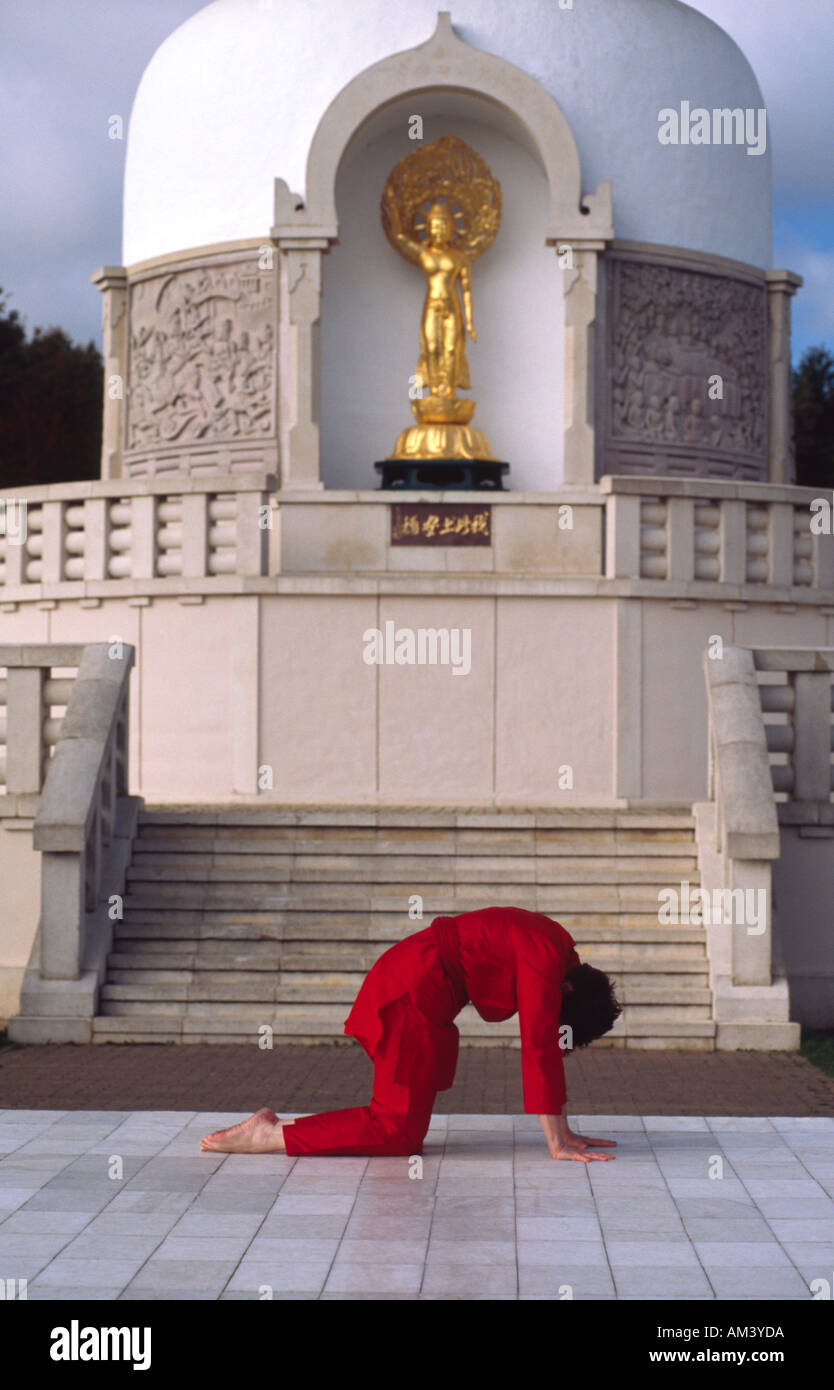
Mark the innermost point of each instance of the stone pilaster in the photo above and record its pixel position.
(299, 358)
(580, 291)
(781, 286)
(112, 281)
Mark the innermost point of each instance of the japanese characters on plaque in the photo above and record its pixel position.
(442, 523)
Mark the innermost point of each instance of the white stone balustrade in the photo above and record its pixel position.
(74, 823)
(699, 538)
(138, 529)
(83, 828)
(703, 531)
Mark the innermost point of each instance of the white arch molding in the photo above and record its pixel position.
(307, 225)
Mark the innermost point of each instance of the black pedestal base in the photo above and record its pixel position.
(463, 475)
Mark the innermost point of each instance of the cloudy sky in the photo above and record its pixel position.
(66, 66)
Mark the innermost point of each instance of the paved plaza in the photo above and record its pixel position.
(491, 1216)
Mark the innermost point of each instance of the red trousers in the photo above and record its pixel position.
(398, 1116)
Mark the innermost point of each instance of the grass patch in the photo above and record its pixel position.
(818, 1048)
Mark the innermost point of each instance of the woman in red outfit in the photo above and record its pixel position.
(501, 959)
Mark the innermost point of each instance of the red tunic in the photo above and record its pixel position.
(513, 961)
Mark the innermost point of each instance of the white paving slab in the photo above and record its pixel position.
(491, 1216)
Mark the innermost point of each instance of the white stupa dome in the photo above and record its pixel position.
(232, 98)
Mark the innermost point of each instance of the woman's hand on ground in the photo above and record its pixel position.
(563, 1143)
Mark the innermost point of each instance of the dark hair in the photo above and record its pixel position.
(590, 1007)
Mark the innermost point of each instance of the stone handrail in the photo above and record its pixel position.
(83, 828)
(75, 822)
(740, 781)
(737, 836)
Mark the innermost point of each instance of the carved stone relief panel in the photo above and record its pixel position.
(202, 356)
(686, 372)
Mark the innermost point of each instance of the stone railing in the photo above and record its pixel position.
(705, 532)
(737, 834)
(84, 829)
(690, 538)
(797, 699)
(135, 529)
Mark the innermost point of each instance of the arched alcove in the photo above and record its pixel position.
(332, 405)
(372, 301)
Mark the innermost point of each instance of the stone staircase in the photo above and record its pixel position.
(239, 918)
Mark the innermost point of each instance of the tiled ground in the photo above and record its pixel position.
(493, 1216)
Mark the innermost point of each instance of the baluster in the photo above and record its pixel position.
(54, 542)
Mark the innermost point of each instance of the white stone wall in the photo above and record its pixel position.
(20, 875)
(225, 684)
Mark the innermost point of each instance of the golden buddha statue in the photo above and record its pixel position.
(447, 195)
(442, 360)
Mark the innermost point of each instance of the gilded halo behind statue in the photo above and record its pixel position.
(441, 209)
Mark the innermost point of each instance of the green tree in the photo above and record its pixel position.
(813, 405)
(50, 405)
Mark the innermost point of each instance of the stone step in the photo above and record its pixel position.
(637, 945)
(331, 1016)
(304, 974)
(419, 844)
(377, 926)
(303, 956)
(263, 983)
(184, 985)
(678, 940)
(361, 869)
(327, 1017)
(260, 819)
(437, 899)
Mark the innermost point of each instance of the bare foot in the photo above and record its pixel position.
(260, 1134)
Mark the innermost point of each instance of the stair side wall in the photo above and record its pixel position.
(803, 902)
(20, 898)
